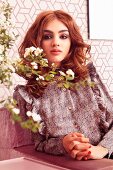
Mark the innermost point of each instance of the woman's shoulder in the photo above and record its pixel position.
(21, 92)
(19, 89)
(91, 68)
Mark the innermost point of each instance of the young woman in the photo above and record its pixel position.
(78, 123)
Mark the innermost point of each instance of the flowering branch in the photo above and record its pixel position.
(32, 65)
(7, 38)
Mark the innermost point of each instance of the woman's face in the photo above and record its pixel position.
(56, 41)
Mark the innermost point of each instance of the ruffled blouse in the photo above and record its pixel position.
(88, 110)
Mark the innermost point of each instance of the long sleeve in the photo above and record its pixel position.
(24, 136)
(52, 145)
(23, 99)
(21, 103)
(105, 103)
(60, 106)
(107, 141)
(42, 142)
(88, 110)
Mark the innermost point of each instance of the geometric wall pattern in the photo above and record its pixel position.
(24, 13)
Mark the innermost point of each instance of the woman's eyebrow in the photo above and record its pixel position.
(58, 31)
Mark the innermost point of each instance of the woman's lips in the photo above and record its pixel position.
(55, 52)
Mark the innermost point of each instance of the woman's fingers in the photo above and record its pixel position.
(73, 139)
(87, 157)
(83, 139)
(82, 146)
(79, 146)
(79, 155)
(83, 154)
(74, 153)
(76, 134)
(72, 144)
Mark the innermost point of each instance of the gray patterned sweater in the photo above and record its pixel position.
(88, 110)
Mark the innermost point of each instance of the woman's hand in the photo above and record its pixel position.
(97, 152)
(75, 144)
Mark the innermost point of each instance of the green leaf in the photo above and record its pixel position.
(16, 118)
(68, 77)
(49, 77)
(53, 72)
(66, 85)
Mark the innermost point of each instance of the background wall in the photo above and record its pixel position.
(24, 13)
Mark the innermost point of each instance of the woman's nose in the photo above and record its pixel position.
(55, 45)
(55, 42)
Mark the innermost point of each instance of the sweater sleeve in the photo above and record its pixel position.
(105, 104)
(21, 103)
(43, 143)
(24, 102)
(24, 136)
(51, 145)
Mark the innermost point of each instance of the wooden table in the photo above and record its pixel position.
(27, 164)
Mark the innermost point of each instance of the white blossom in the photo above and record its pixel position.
(36, 117)
(38, 51)
(35, 67)
(70, 72)
(29, 113)
(28, 51)
(41, 77)
(46, 60)
(32, 49)
(16, 111)
(53, 64)
(62, 73)
(34, 64)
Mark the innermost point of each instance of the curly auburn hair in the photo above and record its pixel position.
(76, 59)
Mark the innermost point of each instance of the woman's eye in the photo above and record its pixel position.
(64, 36)
(46, 37)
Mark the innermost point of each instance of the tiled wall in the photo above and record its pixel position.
(25, 11)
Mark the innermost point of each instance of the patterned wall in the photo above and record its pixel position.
(25, 11)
